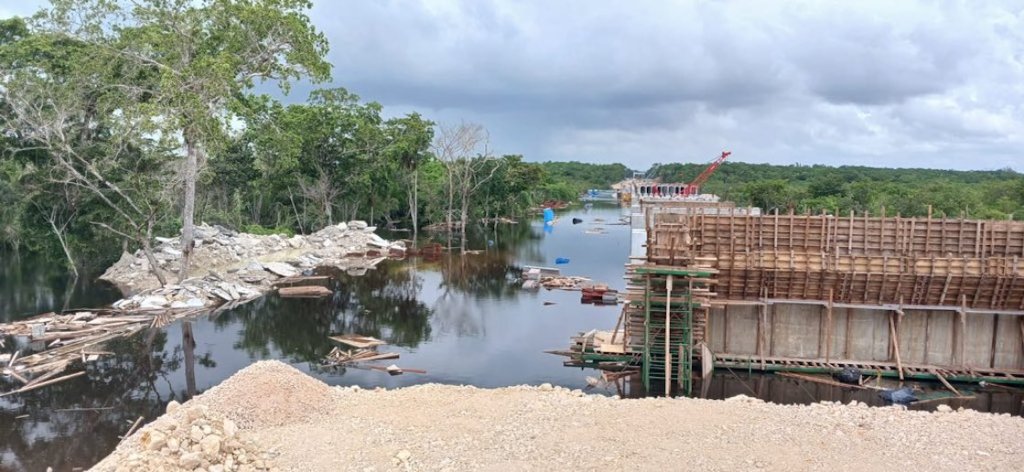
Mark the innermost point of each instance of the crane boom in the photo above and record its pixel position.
(693, 188)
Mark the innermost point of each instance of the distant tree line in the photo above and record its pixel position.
(840, 190)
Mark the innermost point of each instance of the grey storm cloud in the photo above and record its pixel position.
(907, 83)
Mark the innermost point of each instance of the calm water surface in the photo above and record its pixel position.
(462, 319)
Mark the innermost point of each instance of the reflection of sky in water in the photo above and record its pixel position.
(474, 337)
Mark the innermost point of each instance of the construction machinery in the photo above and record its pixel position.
(693, 188)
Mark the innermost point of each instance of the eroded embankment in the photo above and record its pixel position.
(289, 421)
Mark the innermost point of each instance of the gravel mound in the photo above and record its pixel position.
(297, 423)
(268, 394)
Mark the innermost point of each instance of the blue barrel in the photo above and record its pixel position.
(549, 215)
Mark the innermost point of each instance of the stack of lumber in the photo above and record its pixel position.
(564, 283)
(62, 339)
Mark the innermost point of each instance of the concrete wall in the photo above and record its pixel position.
(926, 337)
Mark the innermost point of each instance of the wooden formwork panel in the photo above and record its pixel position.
(915, 261)
(976, 292)
(919, 237)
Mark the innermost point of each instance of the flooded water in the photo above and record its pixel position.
(464, 320)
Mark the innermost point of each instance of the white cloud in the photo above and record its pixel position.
(908, 83)
(933, 84)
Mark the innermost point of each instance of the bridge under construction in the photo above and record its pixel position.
(719, 286)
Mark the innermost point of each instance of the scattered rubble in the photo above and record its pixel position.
(242, 266)
(192, 438)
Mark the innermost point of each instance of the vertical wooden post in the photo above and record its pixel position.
(668, 337)
(928, 232)
(962, 341)
(828, 328)
(895, 338)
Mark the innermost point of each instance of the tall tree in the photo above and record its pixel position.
(409, 142)
(200, 57)
(466, 154)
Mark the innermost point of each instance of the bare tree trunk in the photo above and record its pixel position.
(414, 206)
(64, 246)
(451, 207)
(328, 210)
(189, 208)
(147, 249)
(59, 232)
(463, 221)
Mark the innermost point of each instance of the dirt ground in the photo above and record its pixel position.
(291, 421)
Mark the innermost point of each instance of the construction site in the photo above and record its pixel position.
(712, 286)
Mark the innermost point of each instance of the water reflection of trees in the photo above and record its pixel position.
(469, 281)
(31, 284)
(77, 422)
(383, 303)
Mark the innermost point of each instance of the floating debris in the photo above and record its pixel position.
(64, 338)
(357, 341)
(340, 357)
(311, 291)
(564, 283)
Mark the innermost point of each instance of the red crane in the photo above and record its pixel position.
(693, 188)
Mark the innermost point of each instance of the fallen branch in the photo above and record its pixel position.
(43, 384)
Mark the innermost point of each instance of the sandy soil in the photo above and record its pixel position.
(294, 422)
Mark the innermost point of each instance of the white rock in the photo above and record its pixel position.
(196, 434)
(190, 460)
(154, 440)
(403, 455)
(171, 251)
(152, 301)
(546, 387)
(296, 241)
(230, 428)
(173, 406)
(165, 240)
(280, 268)
(211, 445)
(357, 224)
(944, 409)
(343, 226)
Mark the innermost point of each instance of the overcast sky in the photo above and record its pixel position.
(888, 83)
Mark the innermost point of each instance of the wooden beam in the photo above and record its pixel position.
(895, 338)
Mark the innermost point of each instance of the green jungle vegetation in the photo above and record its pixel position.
(122, 123)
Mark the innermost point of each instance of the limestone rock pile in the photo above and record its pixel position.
(228, 266)
(191, 438)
